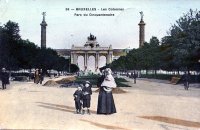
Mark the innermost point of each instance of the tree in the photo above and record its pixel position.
(9, 36)
(74, 68)
(184, 40)
(12, 30)
(16, 53)
(154, 42)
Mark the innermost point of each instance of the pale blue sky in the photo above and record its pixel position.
(65, 29)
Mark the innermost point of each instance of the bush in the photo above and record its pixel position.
(121, 80)
(158, 76)
(193, 78)
(93, 80)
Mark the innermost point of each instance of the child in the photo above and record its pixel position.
(87, 92)
(78, 99)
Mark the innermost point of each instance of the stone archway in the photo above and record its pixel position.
(91, 47)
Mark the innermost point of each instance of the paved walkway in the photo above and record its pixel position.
(147, 105)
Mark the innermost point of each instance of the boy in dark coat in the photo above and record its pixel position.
(78, 99)
(87, 92)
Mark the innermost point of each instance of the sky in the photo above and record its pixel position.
(121, 30)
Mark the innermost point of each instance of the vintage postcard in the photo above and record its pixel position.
(100, 64)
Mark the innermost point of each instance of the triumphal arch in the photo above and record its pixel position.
(91, 48)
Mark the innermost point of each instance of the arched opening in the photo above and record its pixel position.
(81, 62)
(102, 61)
(91, 63)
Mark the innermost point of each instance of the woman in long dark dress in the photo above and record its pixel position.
(106, 103)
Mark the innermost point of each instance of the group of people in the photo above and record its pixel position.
(38, 76)
(4, 76)
(106, 105)
(82, 97)
(132, 75)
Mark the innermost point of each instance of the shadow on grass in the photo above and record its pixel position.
(173, 121)
(59, 107)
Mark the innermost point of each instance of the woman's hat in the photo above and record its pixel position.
(103, 68)
(87, 82)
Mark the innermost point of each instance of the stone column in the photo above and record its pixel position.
(141, 33)
(75, 59)
(72, 58)
(86, 61)
(97, 62)
(111, 58)
(43, 31)
(108, 58)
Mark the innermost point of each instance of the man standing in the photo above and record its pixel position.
(41, 76)
(36, 76)
(4, 78)
(186, 79)
(134, 76)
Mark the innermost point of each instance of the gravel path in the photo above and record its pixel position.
(147, 105)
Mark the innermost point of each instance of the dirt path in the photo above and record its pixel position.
(146, 105)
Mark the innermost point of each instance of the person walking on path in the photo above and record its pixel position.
(186, 80)
(106, 103)
(134, 77)
(4, 78)
(41, 76)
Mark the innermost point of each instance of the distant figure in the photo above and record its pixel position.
(41, 76)
(36, 76)
(4, 78)
(134, 77)
(78, 100)
(106, 103)
(186, 80)
(87, 92)
(30, 76)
